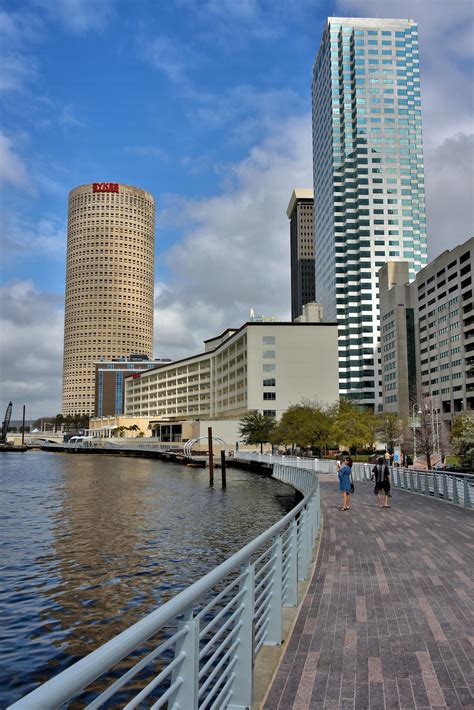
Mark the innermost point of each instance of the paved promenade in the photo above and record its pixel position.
(388, 620)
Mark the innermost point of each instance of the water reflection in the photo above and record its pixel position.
(89, 544)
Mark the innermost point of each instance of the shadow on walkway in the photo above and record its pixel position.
(388, 619)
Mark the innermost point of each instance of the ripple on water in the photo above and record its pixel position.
(90, 544)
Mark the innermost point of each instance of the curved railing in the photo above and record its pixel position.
(450, 487)
(198, 649)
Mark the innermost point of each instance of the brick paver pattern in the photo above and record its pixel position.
(388, 619)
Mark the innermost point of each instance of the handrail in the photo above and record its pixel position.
(229, 590)
(454, 488)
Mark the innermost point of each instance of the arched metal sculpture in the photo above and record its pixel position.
(187, 449)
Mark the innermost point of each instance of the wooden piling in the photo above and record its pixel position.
(211, 456)
(223, 471)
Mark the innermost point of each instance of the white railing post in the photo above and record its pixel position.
(454, 482)
(445, 487)
(467, 496)
(318, 508)
(187, 672)
(303, 547)
(274, 634)
(242, 686)
(292, 588)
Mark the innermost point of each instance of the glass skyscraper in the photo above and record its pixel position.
(369, 194)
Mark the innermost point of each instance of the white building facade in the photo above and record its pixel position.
(261, 366)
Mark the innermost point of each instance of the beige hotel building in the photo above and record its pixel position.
(260, 366)
(109, 284)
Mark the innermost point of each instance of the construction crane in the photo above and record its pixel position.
(6, 423)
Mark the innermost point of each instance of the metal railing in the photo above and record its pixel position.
(454, 488)
(198, 649)
(319, 465)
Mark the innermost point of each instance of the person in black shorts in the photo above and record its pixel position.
(381, 476)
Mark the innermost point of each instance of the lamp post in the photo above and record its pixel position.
(415, 406)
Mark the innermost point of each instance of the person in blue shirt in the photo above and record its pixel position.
(344, 475)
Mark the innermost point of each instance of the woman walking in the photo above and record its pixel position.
(344, 475)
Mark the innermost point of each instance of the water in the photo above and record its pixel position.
(89, 544)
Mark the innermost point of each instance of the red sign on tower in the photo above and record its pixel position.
(105, 187)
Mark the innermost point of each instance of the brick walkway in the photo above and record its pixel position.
(388, 620)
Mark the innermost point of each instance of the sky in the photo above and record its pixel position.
(207, 105)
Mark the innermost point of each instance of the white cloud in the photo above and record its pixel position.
(15, 70)
(12, 168)
(20, 236)
(168, 56)
(244, 110)
(235, 253)
(31, 348)
(19, 31)
(79, 16)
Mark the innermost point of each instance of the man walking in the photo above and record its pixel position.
(381, 475)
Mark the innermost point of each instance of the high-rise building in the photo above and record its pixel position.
(440, 303)
(300, 214)
(397, 335)
(368, 181)
(109, 284)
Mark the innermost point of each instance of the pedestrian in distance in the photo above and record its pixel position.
(381, 476)
(345, 479)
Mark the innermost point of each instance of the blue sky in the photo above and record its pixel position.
(206, 104)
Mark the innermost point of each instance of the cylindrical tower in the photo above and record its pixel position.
(109, 284)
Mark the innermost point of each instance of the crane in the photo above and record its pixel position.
(6, 423)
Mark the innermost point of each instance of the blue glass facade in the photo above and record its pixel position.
(369, 197)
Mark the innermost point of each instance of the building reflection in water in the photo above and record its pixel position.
(126, 535)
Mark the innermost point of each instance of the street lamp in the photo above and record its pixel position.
(418, 411)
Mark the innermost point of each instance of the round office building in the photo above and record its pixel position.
(109, 284)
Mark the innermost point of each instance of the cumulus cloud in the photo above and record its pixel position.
(235, 252)
(31, 348)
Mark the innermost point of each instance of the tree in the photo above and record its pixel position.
(425, 435)
(389, 429)
(58, 421)
(133, 427)
(462, 439)
(353, 427)
(307, 425)
(256, 428)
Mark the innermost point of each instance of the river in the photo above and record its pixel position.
(90, 544)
